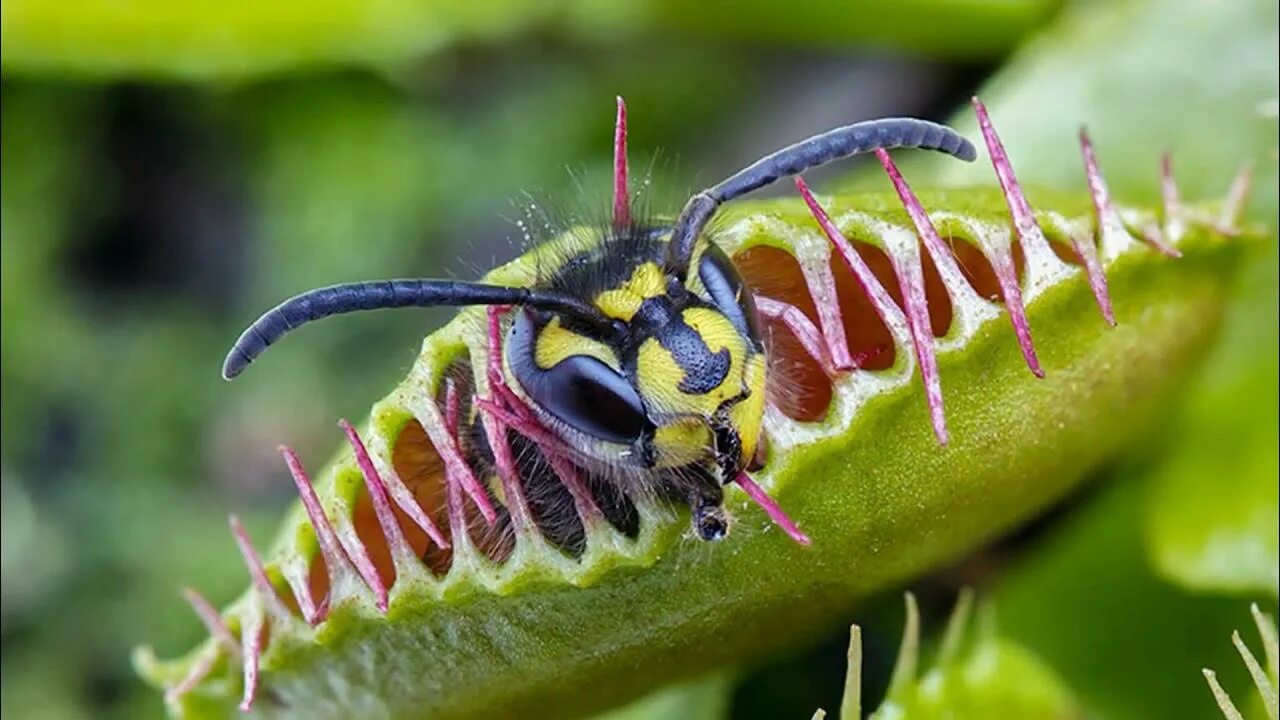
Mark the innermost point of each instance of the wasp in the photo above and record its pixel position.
(643, 353)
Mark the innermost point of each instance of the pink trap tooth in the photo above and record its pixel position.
(1088, 253)
(938, 250)
(1007, 275)
(453, 495)
(771, 508)
(521, 424)
(404, 498)
(912, 281)
(496, 432)
(299, 581)
(871, 287)
(199, 671)
(621, 194)
(493, 364)
(496, 429)
(454, 461)
(588, 513)
(256, 570)
(1237, 197)
(377, 494)
(1109, 220)
(1023, 219)
(212, 621)
(1087, 247)
(506, 405)
(1174, 215)
(457, 517)
(252, 631)
(822, 288)
(911, 277)
(1029, 233)
(805, 332)
(338, 556)
(509, 409)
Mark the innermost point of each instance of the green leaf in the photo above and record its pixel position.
(1127, 643)
(239, 39)
(204, 39)
(967, 28)
(976, 674)
(543, 632)
(1199, 79)
(706, 699)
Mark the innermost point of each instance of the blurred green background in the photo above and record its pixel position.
(170, 169)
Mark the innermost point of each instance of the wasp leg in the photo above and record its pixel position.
(710, 521)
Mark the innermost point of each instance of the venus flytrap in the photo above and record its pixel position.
(395, 592)
(973, 674)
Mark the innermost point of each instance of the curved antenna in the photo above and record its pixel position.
(375, 295)
(818, 150)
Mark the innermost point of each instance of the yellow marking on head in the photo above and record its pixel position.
(748, 415)
(622, 303)
(681, 442)
(555, 343)
(659, 375)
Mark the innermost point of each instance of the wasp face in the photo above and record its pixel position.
(682, 384)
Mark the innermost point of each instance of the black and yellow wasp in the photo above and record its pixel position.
(643, 354)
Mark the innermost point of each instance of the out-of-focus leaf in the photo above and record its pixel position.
(238, 38)
(1211, 519)
(706, 699)
(1128, 644)
(1200, 79)
(974, 28)
(975, 675)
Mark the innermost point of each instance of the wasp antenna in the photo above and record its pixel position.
(821, 149)
(621, 193)
(379, 294)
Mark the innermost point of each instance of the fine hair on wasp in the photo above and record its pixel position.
(637, 361)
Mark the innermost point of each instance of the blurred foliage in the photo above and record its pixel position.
(243, 38)
(1205, 75)
(142, 224)
(205, 39)
(975, 674)
(966, 28)
(1127, 643)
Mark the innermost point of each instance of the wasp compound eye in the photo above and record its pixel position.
(568, 376)
(728, 291)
